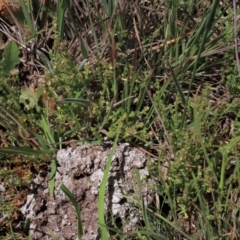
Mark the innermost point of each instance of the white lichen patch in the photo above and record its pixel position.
(81, 170)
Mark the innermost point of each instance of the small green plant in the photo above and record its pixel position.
(201, 163)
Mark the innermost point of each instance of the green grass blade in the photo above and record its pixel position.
(52, 177)
(77, 208)
(25, 151)
(27, 226)
(46, 61)
(93, 28)
(207, 28)
(62, 6)
(47, 130)
(83, 102)
(101, 201)
(173, 226)
(145, 215)
(11, 229)
(82, 64)
(41, 140)
(107, 114)
(153, 235)
(52, 234)
(82, 45)
(108, 6)
(179, 89)
(27, 16)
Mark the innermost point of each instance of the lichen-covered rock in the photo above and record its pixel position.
(81, 170)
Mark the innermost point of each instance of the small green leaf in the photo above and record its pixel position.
(30, 98)
(10, 57)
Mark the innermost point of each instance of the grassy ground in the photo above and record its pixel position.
(163, 75)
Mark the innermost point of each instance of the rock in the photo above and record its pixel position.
(81, 171)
